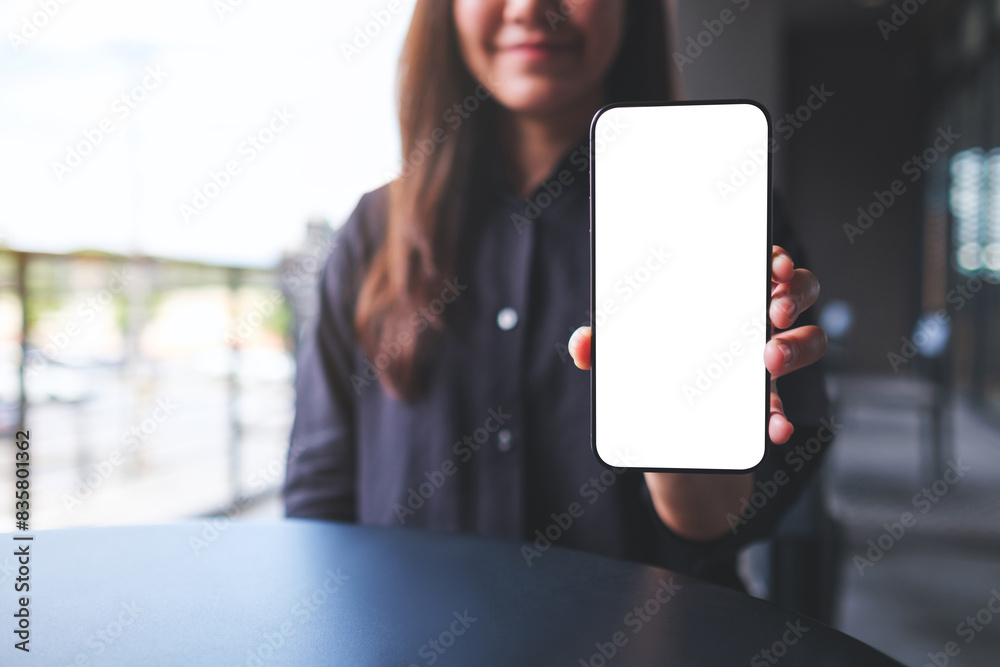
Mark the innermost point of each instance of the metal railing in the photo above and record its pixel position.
(77, 290)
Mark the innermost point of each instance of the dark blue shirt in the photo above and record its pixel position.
(499, 444)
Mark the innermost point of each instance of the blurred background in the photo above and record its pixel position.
(172, 172)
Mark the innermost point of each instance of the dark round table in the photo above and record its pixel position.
(314, 593)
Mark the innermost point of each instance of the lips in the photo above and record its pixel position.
(542, 45)
(540, 48)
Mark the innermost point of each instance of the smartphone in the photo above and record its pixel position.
(680, 285)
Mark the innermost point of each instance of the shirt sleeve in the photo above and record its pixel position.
(320, 479)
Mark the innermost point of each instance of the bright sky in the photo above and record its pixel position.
(224, 70)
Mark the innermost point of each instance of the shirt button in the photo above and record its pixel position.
(505, 440)
(507, 318)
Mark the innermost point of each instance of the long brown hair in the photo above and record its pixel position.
(417, 255)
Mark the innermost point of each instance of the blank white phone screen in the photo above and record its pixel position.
(681, 266)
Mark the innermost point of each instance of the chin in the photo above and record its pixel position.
(537, 99)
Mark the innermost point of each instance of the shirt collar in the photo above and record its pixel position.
(576, 160)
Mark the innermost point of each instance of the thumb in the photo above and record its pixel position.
(579, 348)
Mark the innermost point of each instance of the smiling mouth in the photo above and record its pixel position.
(536, 50)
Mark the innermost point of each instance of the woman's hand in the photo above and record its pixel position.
(695, 505)
(792, 292)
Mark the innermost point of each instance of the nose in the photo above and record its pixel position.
(528, 12)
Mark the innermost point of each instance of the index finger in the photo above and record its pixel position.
(782, 266)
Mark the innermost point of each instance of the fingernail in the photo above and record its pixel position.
(786, 352)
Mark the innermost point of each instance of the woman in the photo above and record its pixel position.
(437, 389)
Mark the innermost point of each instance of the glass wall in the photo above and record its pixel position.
(962, 207)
